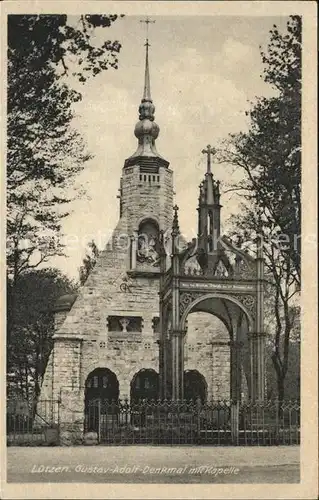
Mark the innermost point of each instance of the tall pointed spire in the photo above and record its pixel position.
(147, 108)
(147, 83)
(146, 130)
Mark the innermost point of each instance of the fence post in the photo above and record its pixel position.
(277, 420)
(234, 412)
(198, 410)
(59, 430)
(99, 420)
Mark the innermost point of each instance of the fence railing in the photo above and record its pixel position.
(34, 424)
(163, 422)
(182, 422)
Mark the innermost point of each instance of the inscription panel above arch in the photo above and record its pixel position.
(223, 286)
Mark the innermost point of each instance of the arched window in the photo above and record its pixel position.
(101, 384)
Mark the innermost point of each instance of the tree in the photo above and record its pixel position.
(89, 262)
(29, 346)
(45, 153)
(269, 156)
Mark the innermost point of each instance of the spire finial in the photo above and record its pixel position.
(147, 84)
(209, 151)
(175, 226)
(146, 130)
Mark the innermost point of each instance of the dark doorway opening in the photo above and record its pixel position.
(101, 389)
(145, 386)
(194, 386)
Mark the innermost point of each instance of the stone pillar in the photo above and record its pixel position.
(66, 362)
(261, 366)
(235, 370)
(260, 335)
(177, 364)
(235, 386)
(124, 385)
(71, 416)
(165, 354)
(257, 360)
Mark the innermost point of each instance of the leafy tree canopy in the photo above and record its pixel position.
(45, 153)
(28, 346)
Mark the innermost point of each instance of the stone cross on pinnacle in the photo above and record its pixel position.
(147, 21)
(209, 151)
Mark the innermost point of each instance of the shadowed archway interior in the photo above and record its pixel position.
(101, 388)
(101, 384)
(145, 385)
(195, 386)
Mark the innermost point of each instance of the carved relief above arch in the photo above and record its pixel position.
(249, 302)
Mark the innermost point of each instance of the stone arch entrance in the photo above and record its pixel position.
(207, 348)
(145, 385)
(236, 318)
(238, 322)
(101, 387)
(195, 386)
(212, 274)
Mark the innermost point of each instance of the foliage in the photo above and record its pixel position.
(269, 156)
(29, 343)
(45, 153)
(292, 379)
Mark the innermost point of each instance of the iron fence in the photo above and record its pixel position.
(33, 424)
(163, 422)
(182, 422)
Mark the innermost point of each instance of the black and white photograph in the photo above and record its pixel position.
(157, 236)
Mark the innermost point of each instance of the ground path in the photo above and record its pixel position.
(154, 464)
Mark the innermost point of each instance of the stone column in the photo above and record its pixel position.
(257, 360)
(259, 338)
(71, 416)
(177, 364)
(235, 367)
(235, 389)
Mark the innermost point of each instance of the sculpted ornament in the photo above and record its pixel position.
(186, 299)
(249, 301)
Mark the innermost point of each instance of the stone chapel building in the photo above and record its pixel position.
(106, 339)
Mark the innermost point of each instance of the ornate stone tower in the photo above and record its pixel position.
(146, 192)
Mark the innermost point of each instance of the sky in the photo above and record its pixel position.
(204, 72)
